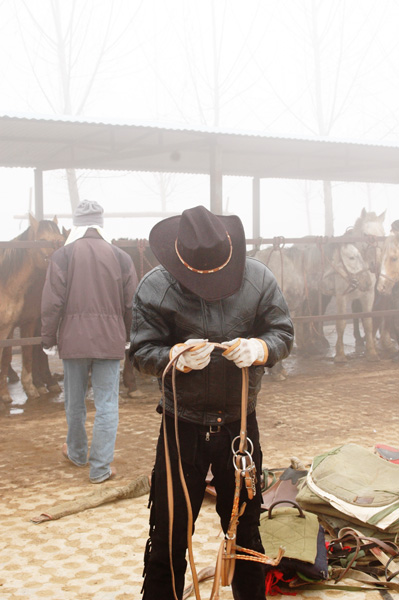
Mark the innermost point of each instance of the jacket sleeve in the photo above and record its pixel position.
(273, 323)
(53, 301)
(151, 336)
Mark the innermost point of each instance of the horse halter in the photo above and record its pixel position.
(350, 278)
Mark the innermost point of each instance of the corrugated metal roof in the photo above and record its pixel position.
(47, 143)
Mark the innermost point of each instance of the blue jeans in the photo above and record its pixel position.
(105, 382)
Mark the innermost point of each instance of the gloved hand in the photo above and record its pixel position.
(50, 351)
(197, 358)
(245, 352)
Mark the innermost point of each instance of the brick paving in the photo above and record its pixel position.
(97, 554)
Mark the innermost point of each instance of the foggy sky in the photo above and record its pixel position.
(278, 67)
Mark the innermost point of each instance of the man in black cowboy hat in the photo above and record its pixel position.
(205, 291)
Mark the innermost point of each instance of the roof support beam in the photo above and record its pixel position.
(39, 194)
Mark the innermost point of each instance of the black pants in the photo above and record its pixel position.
(199, 450)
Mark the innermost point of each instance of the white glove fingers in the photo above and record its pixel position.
(202, 350)
(233, 355)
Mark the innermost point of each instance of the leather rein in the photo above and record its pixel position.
(244, 470)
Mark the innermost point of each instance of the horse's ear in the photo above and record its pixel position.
(381, 217)
(33, 222)
(363, 213)
(55, 219)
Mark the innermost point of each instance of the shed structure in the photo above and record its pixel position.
(44, 143)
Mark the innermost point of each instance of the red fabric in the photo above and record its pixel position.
(273, 578)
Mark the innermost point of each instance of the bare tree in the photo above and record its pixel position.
(329, 112)
(60, 44)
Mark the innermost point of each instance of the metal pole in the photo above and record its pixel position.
(39, 194)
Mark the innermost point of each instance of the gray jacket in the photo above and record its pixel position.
(164, 314)
(87, 299)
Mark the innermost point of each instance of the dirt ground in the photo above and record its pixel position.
(97, 554)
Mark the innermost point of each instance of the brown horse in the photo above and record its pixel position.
(22, 271)
(33, 357)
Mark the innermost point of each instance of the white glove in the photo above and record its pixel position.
(50, 351)
(197, 358)
(245, 352)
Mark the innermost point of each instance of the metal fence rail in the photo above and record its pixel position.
(276, 242)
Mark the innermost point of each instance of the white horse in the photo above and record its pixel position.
(349, 278)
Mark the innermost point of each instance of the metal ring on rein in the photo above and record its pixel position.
(242, 455)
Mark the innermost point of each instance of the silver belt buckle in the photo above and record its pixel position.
(214, 428)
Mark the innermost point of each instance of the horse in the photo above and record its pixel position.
(370, 226)
(349, 278)
(34, 360)
(20, 269)
(389, 272)
(298, 270)
(297, 274)
(143, 260)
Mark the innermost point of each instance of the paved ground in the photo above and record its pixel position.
(97, 554)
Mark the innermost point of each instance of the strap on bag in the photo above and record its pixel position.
(384, 551)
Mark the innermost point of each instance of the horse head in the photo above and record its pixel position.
(370, 226)
(47, 231)
(389, 273)
(348, 272)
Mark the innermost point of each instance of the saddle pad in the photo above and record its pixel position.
(296, 534)
(356, 476)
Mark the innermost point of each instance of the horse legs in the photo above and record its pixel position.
(340, 325)
(12, 375)
(387, 344)
(371, 351)
(5, 358)
(27, 330)
(42, 376)
(359, 341)
(384, 324)
(367, 302)
(37, 375)
(41, 373)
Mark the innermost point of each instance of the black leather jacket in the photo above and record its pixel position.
(164, 314)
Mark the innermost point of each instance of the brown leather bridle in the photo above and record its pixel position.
(244, 470)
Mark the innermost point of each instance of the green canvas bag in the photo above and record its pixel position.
(292, 528)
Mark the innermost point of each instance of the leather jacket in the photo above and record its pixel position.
(164, 314)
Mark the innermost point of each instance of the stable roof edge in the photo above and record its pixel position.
(70, 119)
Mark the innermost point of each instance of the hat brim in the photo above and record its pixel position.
(209, 286)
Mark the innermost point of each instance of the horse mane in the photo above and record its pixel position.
(12, 259)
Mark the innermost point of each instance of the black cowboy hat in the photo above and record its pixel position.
(203, 251)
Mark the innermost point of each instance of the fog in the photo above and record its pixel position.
(313, 68)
